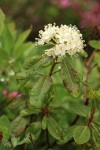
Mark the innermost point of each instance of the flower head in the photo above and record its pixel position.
(66, 39)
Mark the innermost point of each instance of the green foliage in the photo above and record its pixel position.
(4, 145)
(70, 77)
(21, 39)
(34, 130)
(19, 125)
(62, 135)
(29, 111)
(55, 129)
(94, 95)
(84, 54)
(17, 141)
(39, 90)
(44, 122)
(81, 134)
(2, 18)
(95, 44)
(32, 63)
(96, 134)
(97, 59)
(5, 127)
(79, 109)
(68, 135)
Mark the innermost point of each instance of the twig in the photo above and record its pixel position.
(75, 120)
(91, 57)
(33, 143)
(50, 74)
(52, 68)
(92, 116)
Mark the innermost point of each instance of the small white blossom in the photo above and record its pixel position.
(67, 39)
(57, 50)
(47, 35)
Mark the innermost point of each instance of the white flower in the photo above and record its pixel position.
(47, 35)
(67, 39)
(57, 50)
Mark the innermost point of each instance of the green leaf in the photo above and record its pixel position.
(19, 125)
(55, 129)
(5, 127)
(32, 67)
(29, 111)
(96, 128)
(22, 37)
(25, 75)
(37, 61)
(8, 41)
(83, 54)
(25, 140)
(44, 122)
(34, 130)
(3, 56)
(95, 44)
(68, 135)
(70, 77)
(2, 18)
(39, 91)
(81, 134)
(96, 137)
(39, 49)
(79, 109)
(15, 141)
(24, 49)
(97, 123)
(97, 58)
(56, 109)
(4, 145)
(33, 61)
(61, 134)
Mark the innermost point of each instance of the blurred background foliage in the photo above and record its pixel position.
(26, 13)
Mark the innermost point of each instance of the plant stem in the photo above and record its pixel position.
(33, 143)
(91, 58)
(75, 120)
(92, 116)
(50, 74)
(52, 68)
(87, 71)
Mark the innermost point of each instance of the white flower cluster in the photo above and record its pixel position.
(66, 39)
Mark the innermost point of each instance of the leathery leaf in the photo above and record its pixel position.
(39, 90)
(71, 79)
